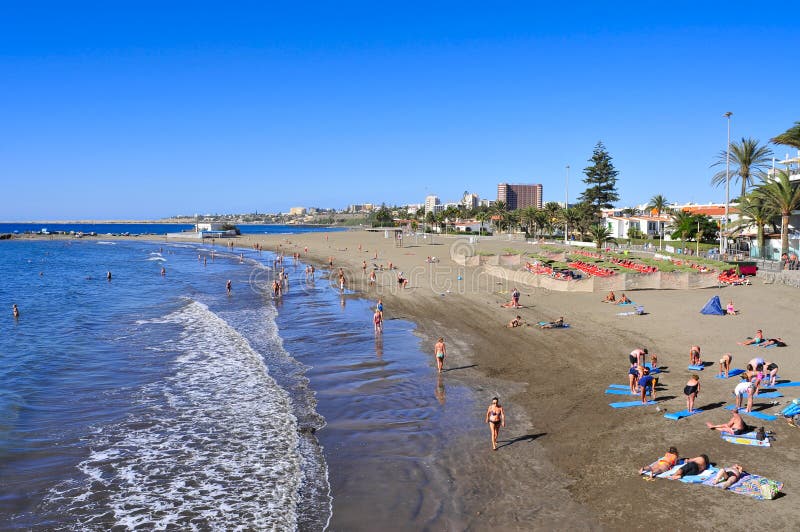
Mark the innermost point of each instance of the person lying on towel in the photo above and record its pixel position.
(728, 476)
(553, 324)
(662, 465)
(692, 466)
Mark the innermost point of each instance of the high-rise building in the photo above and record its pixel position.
(520, 196)
(470, 201)
(432, 204)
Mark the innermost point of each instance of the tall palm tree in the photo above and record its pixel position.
(600, 234)
(748, 161)
(570, 217)
(482, 216)
(543, 221)
(657, 203)
(791, 137)
(784, 196)
(527, 218)
(754, 211)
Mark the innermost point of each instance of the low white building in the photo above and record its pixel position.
(207, 226)
(653, 226)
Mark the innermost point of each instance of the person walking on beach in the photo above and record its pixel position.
(377, 320)
(440, 351)
(228, 286)
(496, 418)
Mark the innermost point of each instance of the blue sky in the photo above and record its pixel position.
(137, 110)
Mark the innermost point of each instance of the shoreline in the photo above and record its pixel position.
(552, 382)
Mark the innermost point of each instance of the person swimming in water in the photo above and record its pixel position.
(15, 310)
(228, 286)
(495, 417)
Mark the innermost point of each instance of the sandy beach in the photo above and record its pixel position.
(561, 431)
(566, 459)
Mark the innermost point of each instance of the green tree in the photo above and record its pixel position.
(748, 161)
(383, 217)
(527, 218)
(482, 217)
(790, 137)
(658, 203)
(600, 234)
(783, 196)
(754, 211)
(601, 180)
(682, 226)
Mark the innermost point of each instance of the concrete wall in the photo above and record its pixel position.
(787, 277)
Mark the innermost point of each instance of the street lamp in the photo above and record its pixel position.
(727, 185)
(566, 208)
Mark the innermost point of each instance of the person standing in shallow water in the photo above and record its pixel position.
(496, 418)
(15, 310)
(440, 351)
(228, 286)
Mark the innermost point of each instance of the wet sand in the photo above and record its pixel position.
(569, 460)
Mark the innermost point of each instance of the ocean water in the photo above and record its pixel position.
(155, 229)
(159, 402)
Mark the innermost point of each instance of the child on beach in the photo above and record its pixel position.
(731, 310)
(516, 322)
(440, 352)
(691, 391)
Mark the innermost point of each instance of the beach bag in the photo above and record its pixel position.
(769, 489)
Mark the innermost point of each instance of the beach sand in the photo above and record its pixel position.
(567, 460)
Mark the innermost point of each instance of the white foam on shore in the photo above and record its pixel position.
(104, 243)
(212, 446)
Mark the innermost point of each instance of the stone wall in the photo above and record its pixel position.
(787, 277)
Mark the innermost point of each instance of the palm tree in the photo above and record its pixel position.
(783, 196)
(600, 235)
(791, 137)
(683, 224)
(754, 211)
(527, 217)
(543, 221)
(748, 161)
(482, 216)
(657, 203)
(571, 217)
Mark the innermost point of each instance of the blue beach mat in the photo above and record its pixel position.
(629, 404)
(710, 472)
(768, 395)
(619, 391)
(697, 368)
(620, 386)
(757, 415)
(682, 414)
(732, 373)
(785, 384)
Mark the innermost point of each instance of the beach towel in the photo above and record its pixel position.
(732, 373)
(748, 438)
(565, 326)
(757, 415)
(698, 367)
(682, 413)
(710, 472)
(713, 307)
(749, 485)
(768, 395)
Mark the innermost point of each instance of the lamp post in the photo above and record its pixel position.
(724, 239)
(566, 208)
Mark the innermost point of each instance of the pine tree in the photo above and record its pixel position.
(601, 180)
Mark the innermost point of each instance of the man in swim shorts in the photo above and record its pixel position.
(637, 356)
(735, 425)
(692, 466)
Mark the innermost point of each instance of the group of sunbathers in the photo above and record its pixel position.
(759, 341)
(612, 298)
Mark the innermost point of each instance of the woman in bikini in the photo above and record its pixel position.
(662, 465)
(691, 391)
(496, 418)
(440, 351)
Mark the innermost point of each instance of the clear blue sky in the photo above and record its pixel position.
(109, 111)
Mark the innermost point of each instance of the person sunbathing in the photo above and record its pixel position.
(735, 425)
(692, 466)
(757, 339)
(553, 324)
(623, 300)
(772, 341)
(728, 476)
(610, 298)
(662, 465)
(516, 322)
